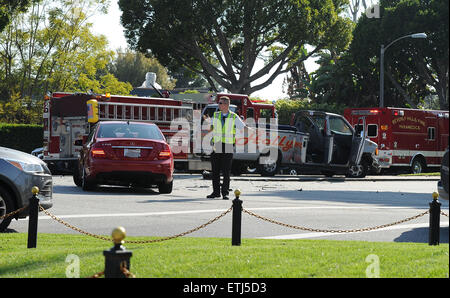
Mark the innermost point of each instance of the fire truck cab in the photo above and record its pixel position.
(410, 138)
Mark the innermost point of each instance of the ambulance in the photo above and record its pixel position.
(410, 139)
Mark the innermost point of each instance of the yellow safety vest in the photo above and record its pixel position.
(224, 133)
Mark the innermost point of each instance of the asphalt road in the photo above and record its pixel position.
(310, 202)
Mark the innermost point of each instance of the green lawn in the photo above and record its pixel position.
(216, 257)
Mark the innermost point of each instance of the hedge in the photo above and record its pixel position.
(22, 137)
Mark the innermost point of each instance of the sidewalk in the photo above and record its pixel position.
(338, 178)
(318, 177)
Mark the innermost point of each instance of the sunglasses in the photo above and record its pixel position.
(222, 103)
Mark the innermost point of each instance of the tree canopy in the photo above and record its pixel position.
(222, 40)
(131, 67)
(414, 68)
(8, 8)
(52, 48)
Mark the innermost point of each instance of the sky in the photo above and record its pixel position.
(110, 26)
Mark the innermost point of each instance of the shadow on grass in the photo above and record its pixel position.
(420, 235)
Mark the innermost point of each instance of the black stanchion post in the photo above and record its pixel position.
(33, 210)
(117, 257)
(435, 212)
(237, 217)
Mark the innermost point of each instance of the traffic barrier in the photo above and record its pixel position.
(33, 218)
(237, 219)
(435, 212)
(117, 259)
(237, 209)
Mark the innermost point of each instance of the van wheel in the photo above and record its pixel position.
(418, 166)
(6, 206)
(357, 171)
(165, 188)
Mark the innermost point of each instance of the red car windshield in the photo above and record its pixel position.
(132, 130)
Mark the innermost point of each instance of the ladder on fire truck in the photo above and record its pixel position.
(162, 115)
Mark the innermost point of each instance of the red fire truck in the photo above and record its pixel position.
(69, 116)
(410, 138)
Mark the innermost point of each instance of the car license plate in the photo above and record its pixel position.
(132, 152)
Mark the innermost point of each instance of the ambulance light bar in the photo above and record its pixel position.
(398, 113)
(365, 112)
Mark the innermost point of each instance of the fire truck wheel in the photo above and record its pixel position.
(165, 187)
(418, 166)
(6, 206)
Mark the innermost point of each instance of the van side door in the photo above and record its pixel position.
(358, 140)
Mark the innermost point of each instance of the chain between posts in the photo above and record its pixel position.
(184, 233)
(216, 219)
(14, 212)
(73, 227)
(134, 241)
(333, 231)
(125, 271)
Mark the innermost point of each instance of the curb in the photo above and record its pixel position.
(304, 179)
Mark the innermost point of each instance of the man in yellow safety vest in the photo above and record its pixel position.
(225, 123)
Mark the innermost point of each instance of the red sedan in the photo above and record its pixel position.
(125, 153)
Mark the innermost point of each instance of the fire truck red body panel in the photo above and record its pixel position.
(405, 136)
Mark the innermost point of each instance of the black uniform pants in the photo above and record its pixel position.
(221, 162)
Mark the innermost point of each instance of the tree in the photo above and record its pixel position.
(51, 48)
(222, 40)
(21, 110)
(415, 68)
(9, 8)
(131, 67)
(188, 79)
